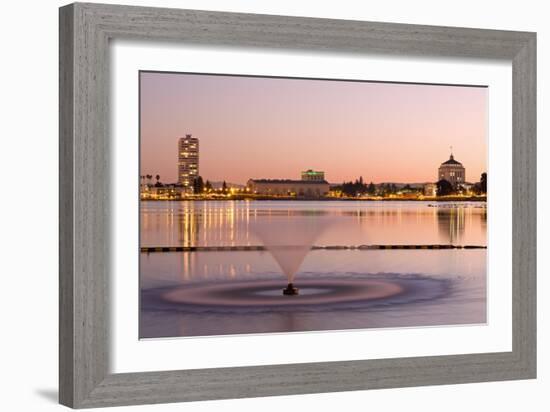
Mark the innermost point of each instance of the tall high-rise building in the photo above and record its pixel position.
(188, 160)
(452, 171)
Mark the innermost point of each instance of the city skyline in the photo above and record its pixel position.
(251, 127)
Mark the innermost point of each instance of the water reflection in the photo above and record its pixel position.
(231, 223)
(235, 223)
(451, 224)
(205, 310)
(453, 221)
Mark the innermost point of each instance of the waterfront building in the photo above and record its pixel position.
(452, 171)
(430, 189)
(467, 187)
(188, 161)
(162, 192)
(313, 176)
(288, 187)
(311, 185)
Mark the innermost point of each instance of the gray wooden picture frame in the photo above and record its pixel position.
(85, 32)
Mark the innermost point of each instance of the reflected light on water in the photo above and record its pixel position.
(230, 223)
(197, 293)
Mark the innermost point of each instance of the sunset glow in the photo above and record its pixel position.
(251, 127)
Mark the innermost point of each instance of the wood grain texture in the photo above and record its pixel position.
(66, 229)
(85, 31)
(524, 184)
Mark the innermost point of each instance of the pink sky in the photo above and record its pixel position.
(274, 128)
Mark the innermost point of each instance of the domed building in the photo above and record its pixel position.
(452, 171)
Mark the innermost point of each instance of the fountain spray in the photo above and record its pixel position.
(289, 240)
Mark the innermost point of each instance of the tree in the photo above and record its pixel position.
(208, 186)
(371, 189)
(483, 183)
(158, 183)
(224, 187)
(444, 188)
(198, 185)
(353, 188)
(149, 177)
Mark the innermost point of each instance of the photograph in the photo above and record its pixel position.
(275, 206)
(282, 205)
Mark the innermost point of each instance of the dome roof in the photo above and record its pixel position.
(451, 161)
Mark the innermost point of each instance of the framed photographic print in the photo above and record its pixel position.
(258, 205)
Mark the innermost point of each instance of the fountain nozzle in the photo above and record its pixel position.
(290, 290)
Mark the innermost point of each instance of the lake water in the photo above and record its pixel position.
(234, 292)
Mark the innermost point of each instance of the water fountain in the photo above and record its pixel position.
(290, 290)
(205, 306)
(240, 292)
(289, 240)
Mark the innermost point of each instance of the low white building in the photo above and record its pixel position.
(430, 189)
(288, 187)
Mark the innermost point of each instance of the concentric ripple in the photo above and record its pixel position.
(316, 294)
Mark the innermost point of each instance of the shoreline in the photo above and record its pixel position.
(263, 198)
